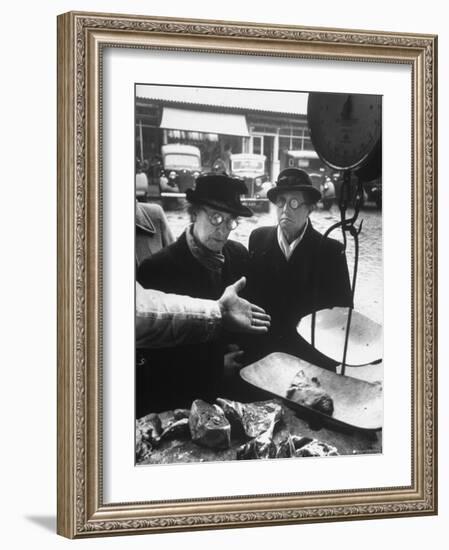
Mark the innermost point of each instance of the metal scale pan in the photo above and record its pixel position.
(357, 404)
(365, 343)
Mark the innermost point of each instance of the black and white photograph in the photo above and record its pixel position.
(247, 276)
(259, 289)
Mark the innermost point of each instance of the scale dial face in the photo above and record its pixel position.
(344, 128)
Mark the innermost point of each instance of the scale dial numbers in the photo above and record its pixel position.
(345, 128)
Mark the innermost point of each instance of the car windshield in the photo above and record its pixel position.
(175, 161)
(310, 164)
(249, 165)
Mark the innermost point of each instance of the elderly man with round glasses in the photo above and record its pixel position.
(201, 264)
(294, 270)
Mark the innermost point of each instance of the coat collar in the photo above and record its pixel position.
(311, 238)
(286, 247)
(309, 242)
(182, 251)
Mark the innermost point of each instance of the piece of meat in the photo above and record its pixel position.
(260, 417)
(250, 419)
(143, 446)
(233, 411)
(288, 446)
(181, 413)
(179, 429)
(209, 426)
(308, 392)
(285, 448)
(297, 446)
(317, 448)
(150, 427)
(260, 447)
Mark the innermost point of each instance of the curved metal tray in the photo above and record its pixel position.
(357, 404)
(365, 343)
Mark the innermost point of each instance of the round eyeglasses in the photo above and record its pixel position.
(292, 203)
(217, 219)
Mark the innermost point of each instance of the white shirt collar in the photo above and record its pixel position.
(287, 249)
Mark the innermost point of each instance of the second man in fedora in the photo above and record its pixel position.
(294, 270)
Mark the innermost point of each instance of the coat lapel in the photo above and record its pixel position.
(301, 265)
(143, 221)
(308, 246)
(271, 251)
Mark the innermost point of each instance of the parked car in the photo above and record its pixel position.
(181, 165)
(370, 174)
(373, 191)
(251, 169)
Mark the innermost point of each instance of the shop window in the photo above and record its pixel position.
(257, 145)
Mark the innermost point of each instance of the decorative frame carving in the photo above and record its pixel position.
(81, 37)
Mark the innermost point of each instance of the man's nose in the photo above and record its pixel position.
(223, 229)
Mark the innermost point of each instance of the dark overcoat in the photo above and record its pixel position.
(174, 377)
(315, 277)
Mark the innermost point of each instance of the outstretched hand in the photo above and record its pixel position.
(239, 315)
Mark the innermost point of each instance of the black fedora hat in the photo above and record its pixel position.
(293, 179)
(221, 192)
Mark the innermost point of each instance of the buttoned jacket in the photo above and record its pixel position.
(315, 277)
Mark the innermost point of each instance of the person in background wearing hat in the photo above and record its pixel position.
(201, 264)
(294, 270)
(152, 230)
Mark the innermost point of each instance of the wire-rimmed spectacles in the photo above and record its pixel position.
(292, 203)
(217, 219)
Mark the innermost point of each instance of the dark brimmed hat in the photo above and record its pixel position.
(293, 179)
(221, 192)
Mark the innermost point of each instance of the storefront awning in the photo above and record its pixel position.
(201, 121)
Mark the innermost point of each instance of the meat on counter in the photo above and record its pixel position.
(262, 446)
(251, 419)
(209, 426)
(309, 393)
(317, 448)
(297, 446)
(179, 429)
(148, 432)
(150, 427)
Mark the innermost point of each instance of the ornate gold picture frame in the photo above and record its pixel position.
(82, 41)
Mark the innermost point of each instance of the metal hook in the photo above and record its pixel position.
(355, 231)
(347, 225)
